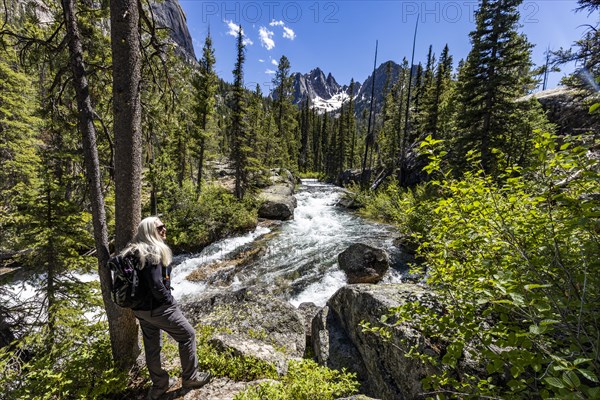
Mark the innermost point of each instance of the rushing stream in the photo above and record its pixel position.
(300, 257)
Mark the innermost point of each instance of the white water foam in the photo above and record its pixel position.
(319, 292)
(216, 251)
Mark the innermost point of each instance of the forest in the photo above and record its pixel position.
(502, 205)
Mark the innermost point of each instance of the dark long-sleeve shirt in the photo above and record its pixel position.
(155, 282)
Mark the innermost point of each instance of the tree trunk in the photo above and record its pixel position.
(119, 322)
(126, 53)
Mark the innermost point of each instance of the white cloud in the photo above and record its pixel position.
(233, 28)
(274, 62)
(261, 60)
(266, 38)
(270, 72)
(277, 23)
(288, 33)
(233, 31)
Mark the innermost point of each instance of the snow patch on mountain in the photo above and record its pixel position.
(328, 105)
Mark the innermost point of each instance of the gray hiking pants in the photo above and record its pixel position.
(169, 319)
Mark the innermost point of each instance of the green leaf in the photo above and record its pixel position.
(571, 379)
(536, 329)
(565, 146)
(594, 392)
(588, 375)
(594, 107)
(535, 286)
(552, 381)
(581, 361)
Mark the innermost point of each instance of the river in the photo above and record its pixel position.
(299, 262)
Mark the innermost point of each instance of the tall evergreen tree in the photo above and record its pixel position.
(238, 121)
(351, 126)
(304, 136)
(497, 71)
(285, 113)
(19, 146)
(205, 85)
(126, 56)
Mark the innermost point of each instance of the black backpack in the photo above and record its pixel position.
(125, 290)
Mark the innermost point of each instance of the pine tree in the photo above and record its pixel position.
(304, 136)
(497, 71)
(351, 126)
(18, 144)
(205, 85)
(239, 155)
(285, 114)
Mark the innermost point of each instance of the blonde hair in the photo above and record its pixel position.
(149, 245)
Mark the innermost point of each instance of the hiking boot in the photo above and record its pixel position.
(155, 393)
(201, 379)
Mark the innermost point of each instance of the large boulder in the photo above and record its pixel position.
(278, 197)
(251, 323)
(568, 108)
(169, 14)
(363, 263)
(381, 365)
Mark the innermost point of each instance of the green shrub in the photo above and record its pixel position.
(516, 261)
(407, 208)
(226, 363)
(196, 221)
(305, 380)
(75, 362)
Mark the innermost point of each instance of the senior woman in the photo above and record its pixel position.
(159, 310)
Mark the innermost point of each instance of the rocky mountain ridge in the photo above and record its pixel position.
(327, 95)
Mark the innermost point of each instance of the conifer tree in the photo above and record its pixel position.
(205, 85)
(18, 148)
(257, 135)
(304, 136)
(351, 126)
(434, 96)
(324, 143)
(126, 56)
(285, 117)
(239, 154)
(497, 71)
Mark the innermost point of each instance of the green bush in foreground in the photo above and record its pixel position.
(225, 363)
(516, 263)
(305, 380)
(74, 362)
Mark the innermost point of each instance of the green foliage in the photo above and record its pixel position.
(514, 263)
(225, 363)
(18, 148)
(496, 72)
(76, 364)
(312, 175)
(408, 208)
(198, 221)
(305, 380)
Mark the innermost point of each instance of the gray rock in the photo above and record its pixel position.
(381, 365)
(168, 14)
(333, 347)
(220, 389)
(568, 109)
(278, 199)
(250, 317)
(308, 311)
(251, 347)
(363, 263)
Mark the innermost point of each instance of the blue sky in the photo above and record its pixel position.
(339, 36)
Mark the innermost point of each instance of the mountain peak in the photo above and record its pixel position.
(325, 94)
